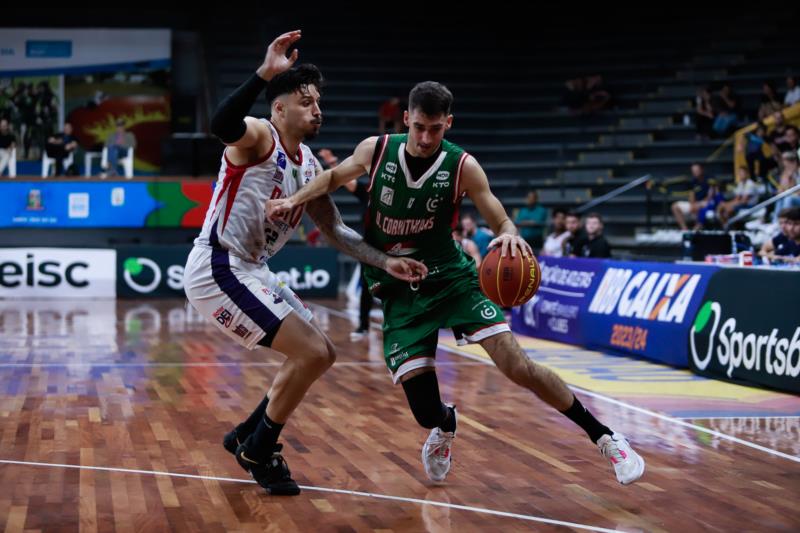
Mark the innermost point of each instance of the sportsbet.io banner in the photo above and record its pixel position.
(747, 328)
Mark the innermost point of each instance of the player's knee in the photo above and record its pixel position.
(320, 355)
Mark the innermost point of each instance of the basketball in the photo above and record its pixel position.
(509, 281)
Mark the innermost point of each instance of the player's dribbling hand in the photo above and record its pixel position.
(508, 242)
(276, 61)
(406, 269)
(279, 208)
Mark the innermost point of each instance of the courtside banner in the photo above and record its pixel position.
(646, 309)
(157, 271)
(747, 328)
(555, 310)
(57, 273)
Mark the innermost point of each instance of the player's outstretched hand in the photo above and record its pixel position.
(406, 269)
(276, 61)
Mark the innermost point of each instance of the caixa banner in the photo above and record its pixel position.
(747, 328)
(144, 271)
(57, 273)
(646, 309)
(555, 310)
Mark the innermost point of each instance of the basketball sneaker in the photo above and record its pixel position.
(436, 453)
(628, 465)
(273, 475)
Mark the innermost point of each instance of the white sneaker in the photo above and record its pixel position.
(436, 456)
(628, 465)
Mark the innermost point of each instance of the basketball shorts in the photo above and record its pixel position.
(244, 300)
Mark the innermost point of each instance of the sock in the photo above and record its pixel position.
(263, 440)
(449, 423)
(581, 416)
(247, 427)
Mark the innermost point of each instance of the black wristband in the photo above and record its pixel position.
(228, 120)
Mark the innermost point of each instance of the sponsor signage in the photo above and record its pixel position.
(57, 273)
(555, 310)
(747, 329)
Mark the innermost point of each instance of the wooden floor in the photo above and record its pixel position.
(112, 415)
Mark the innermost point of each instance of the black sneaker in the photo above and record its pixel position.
(274, 475)
(231, 440)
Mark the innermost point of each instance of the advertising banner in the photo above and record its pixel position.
(57, 273)
(554, 311)
(747, 328)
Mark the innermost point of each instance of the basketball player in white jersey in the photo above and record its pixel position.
(227, 279)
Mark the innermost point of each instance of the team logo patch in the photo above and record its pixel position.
(443, 175)
(432, 204)
(223, 316)
(391, 168)
(387, 195)
(281, 160)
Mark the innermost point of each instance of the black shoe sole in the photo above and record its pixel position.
(230, 441)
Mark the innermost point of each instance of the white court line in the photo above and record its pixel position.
(181, 365)
(482, 510)
(667, 418)
(736, 417)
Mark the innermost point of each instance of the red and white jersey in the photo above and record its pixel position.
(236, 218)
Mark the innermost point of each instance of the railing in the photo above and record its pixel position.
(647, 180)
(769, 201)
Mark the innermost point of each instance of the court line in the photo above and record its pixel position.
(180, 365)
(737, 417)
(654, 414)
(482, 510)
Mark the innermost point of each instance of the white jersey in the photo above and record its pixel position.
(236, 218)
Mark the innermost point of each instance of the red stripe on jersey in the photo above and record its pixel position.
(231, 170)
(461, 162)
(236, 180)
(378, 163)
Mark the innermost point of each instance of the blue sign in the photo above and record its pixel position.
(48, 48)
(68, 205)
(645, 308)
(555, 310)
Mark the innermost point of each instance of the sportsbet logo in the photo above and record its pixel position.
(143, 275)
(733, 349)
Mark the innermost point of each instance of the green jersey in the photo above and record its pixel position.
(415, 218)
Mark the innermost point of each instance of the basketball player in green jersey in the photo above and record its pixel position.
(417, 182)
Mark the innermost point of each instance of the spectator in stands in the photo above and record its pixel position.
(758, 164)
(554, 243)
(572, 222)
(780, 245)
(599, 95)
(532, 221)
(727, 111)
(467, 244)
(789, 142)
(390, 116)
(770, 103)
(790, 176)
(59, 146)
(8, 141)
(791, 252)
(593, 244)
(745, 194)
(700, 194)
(480, 236)
(792, 91)
(703, 113)
(117, 143)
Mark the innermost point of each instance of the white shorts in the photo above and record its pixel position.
(244, 300)
(685, 207)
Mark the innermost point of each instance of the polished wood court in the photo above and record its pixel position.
(112, 416)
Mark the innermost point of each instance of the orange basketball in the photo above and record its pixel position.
(509, 281)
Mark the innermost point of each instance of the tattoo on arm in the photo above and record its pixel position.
(327, 218)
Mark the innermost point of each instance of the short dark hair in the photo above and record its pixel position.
(293, 80)
(595, 215)
(560, 210)
(430, 97)
(573, 214)
(790, 213)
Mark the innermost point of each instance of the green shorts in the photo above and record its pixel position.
(412, 319)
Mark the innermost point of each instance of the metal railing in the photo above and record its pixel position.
(643, 180)
(769, 201)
